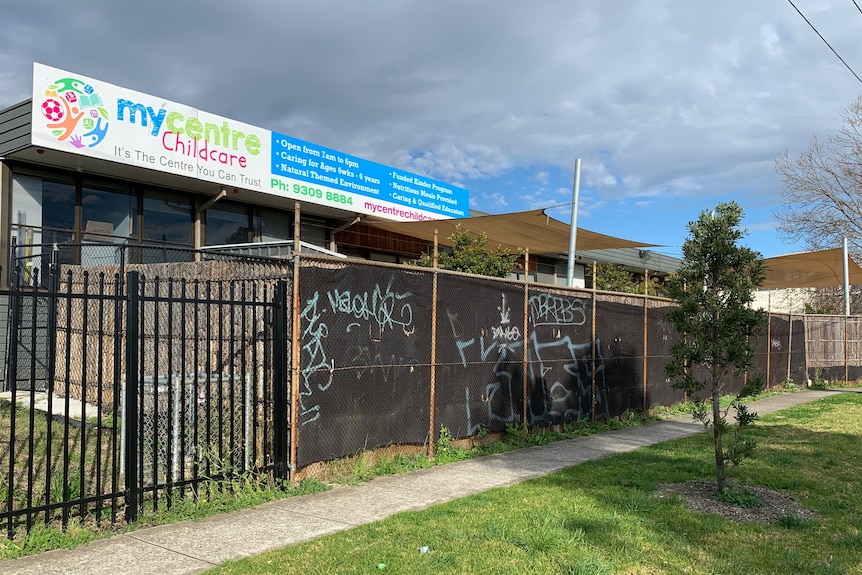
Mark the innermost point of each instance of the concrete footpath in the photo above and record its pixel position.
(195, 546)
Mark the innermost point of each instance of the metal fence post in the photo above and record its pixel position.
(130, 399)
(432, 391)
(12, 385)
(53, 284)
(281, 415)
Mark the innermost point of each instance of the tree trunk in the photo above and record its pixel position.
(717, 434)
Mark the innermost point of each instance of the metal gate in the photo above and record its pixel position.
(132, 384)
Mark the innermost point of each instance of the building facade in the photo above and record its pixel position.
(86, 161)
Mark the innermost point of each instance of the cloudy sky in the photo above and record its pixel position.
(672, 105)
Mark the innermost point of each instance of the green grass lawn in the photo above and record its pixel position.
(602, 517)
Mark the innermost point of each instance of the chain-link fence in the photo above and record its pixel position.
(364, 358)
(392, 355)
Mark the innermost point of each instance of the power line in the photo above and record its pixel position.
(857, 6)
(824, 39)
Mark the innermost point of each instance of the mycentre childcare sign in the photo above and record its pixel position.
(80, 115)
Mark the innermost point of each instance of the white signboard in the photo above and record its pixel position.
(80, 115)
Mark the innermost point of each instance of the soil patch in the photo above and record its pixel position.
(700, 496)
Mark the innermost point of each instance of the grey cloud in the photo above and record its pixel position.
(668, 96)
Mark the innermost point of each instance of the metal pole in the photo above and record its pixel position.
(284, 416)
(297, 228)
(295, 366)
(846, 280)
(846, 350)
(526, 357)
(846, 307)
(789, 344)
(432, 408)
(573, 233)
(769, 341)
(593, 350)
(130, 398)
(646, 339)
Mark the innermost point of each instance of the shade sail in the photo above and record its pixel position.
(823, 268)
(533, 229)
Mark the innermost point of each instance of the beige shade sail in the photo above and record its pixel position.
(533, 229)
(823, 268)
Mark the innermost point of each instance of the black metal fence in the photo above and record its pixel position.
(131, 384)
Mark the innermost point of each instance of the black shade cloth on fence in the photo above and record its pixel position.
(798, 367)
(661, 336)
(480, 354)
(778, 351)
(180, 358)
(761, 356)
(365, 354)
(561, 358)
(852, 350)
(620, 342)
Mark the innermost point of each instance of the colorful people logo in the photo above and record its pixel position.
(75, 112)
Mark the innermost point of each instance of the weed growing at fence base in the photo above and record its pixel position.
(367, 465)
(603, 517)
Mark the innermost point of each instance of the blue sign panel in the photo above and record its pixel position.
(327, 170)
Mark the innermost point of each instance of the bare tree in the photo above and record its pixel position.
(822, 196)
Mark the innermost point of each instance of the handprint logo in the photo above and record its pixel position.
(74, 112)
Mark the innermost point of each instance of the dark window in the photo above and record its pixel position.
(38, 203)
(109, 212)
(276, 226)
(227, 224)
(167, 218)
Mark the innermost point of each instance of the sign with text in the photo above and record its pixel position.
(346, 180)
(79, 115)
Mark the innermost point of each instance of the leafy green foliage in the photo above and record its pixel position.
(446, 451)
(822, 308)
(614, 277)
(740, 497)
(713, 289)
(470, 254)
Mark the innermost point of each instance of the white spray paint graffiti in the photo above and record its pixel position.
(564, 367)
(548, 309)
(364, 361)
(381, 308)
(386, 308)
(505, 340)
(313, 358)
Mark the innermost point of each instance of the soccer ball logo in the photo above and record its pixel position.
(74, 112)
(52, 110)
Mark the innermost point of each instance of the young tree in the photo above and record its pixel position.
(470, 255)
(822, 196)
(713, 289)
